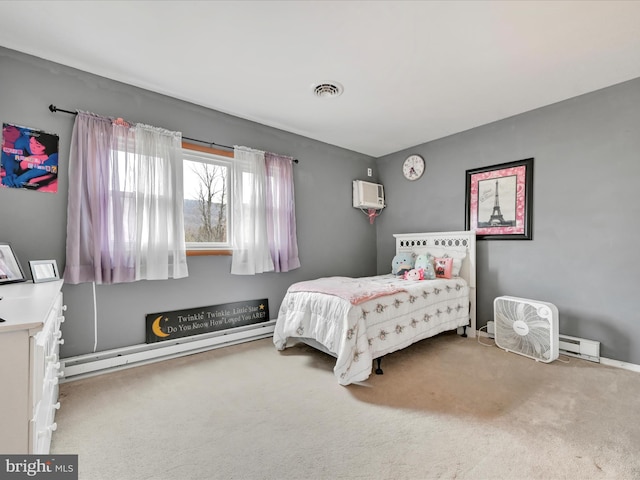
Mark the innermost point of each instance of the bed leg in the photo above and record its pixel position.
(464, 331)
(378, 370)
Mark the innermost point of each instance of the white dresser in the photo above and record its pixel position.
(30, 338)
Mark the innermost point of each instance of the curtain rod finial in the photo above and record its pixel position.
(52, 108)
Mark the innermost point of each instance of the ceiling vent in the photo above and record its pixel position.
(327, 89)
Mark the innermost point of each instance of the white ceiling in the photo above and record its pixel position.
(412, 71)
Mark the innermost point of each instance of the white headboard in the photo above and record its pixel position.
(455, 241)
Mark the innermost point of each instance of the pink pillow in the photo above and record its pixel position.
(443, 267)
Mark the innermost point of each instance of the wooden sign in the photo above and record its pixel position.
(165, 326)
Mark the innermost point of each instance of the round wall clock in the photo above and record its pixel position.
(413, 167)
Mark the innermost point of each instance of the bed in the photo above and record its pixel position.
(359, 320)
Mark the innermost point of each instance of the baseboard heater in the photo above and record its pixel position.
(572, 346)
(90, 364)
(579, 347)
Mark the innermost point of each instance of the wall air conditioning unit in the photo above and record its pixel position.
(368, 195)
(527, 327)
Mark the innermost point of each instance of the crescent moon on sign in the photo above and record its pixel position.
(155, 328)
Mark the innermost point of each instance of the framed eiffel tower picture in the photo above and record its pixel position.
(499, 199)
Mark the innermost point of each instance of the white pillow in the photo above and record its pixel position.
(457, 266)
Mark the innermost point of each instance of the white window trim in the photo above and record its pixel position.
(197, 248)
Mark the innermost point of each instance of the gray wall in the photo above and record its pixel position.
(333, 237)
(583, 256)
(584, 212)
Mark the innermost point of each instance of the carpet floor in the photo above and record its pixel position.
(445, 408)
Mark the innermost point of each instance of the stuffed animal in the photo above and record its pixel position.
(443, 267)
(414, 274)
(425, 261)
(402, 262)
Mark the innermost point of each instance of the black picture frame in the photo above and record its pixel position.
(499, 201)
(10, 268)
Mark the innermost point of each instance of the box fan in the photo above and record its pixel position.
(527, 327)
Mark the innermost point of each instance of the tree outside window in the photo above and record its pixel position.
(206, 201)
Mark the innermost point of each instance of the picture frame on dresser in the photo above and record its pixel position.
(44, 270)
(10, 268)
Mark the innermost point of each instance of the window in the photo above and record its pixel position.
(206, 176)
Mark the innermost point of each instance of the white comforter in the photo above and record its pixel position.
(356, 334)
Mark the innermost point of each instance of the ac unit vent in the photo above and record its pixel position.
(368, 195)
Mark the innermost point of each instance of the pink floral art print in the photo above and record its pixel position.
(498, 200)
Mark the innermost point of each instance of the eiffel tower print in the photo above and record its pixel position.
(496, 216)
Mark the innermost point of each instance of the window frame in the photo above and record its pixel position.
(207, 250)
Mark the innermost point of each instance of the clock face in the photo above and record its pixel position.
(413, 167)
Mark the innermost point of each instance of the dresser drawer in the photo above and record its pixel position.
(45, 350)
(43, 424)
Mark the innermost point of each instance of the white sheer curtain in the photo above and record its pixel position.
(160, 244)
(250, 243)
(124, 219)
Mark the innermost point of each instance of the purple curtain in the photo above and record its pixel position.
(281, 213)
(95, 251)
(125, 209)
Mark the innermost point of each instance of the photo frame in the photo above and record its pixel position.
(44, 270)
(10, 268)
(498, 201)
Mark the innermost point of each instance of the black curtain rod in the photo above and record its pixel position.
(54, 109)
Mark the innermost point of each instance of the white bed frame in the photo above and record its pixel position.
(418, 243)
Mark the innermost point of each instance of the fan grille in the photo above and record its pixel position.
(526, 327)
